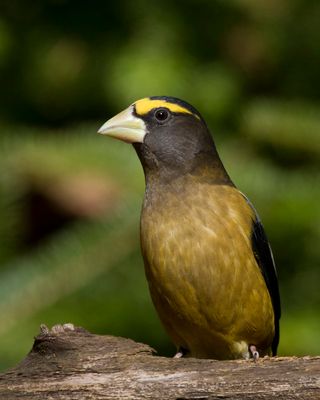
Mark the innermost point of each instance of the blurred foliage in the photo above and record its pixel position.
(70, 201)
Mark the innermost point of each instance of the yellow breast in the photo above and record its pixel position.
(203, 277)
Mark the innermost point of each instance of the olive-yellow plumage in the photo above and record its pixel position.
(207, 260)
(187, 271)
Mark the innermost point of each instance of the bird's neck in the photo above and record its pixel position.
(161, 183)
(203, 167)
(210, 171)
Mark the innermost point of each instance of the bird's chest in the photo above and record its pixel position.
(194, 244)
(201, 268)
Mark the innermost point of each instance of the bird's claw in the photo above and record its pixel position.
(181, 353)
(254, 352)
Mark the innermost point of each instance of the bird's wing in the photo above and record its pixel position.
(263, 255)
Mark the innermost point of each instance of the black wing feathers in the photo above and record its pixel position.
(264, 257)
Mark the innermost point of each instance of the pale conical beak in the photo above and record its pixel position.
(125, 126)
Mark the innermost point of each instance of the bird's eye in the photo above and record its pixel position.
(161, 115)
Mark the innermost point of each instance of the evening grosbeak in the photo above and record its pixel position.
(207, 259)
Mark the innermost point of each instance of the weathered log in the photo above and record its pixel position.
(71, 363)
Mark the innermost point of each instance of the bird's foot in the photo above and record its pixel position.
(180, 353)
(254, 352)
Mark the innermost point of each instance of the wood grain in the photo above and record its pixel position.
(71, 363)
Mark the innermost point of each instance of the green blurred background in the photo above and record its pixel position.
(70, 200)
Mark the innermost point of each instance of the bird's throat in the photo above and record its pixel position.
(205, 166)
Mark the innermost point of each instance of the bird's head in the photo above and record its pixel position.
(168, 134)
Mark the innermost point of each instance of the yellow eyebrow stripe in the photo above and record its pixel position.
(143, 106)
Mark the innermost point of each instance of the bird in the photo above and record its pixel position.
(208, 262)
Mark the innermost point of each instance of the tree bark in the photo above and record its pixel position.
(71, 363)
